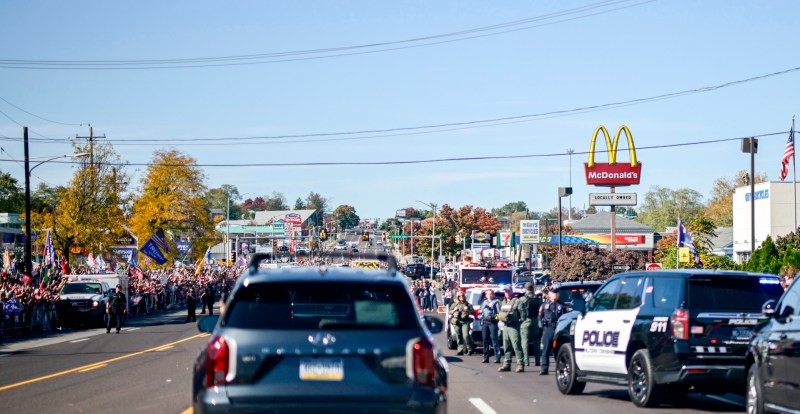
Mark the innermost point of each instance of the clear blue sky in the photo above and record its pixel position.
(640, 51)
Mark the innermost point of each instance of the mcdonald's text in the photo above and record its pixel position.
(613, 175)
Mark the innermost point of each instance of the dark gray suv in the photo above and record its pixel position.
(314, 339)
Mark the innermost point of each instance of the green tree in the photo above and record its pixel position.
(299, 204)
(702, 230)
(318, 203)
(173, 198)
(345, 216)
(585, 262)
(45, 197)
(12, 196)
(510, 208)
(218, 198)
(765, 259)
(662, 207)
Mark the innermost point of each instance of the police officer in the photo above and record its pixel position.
(490, 310)
(461, 312)
(510, 316)
(191, 304)
(550, 311)
(115, 307)
(208, 298)
(529, 327)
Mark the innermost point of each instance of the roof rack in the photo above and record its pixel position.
(390, 260)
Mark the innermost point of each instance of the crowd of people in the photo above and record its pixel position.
(30, 304)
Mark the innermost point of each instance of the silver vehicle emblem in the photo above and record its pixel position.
(322, 339)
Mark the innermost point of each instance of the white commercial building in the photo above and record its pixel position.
(774, 204)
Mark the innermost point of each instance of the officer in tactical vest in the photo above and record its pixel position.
(191, 305)
(490, 316)
(548, 315)
(511, 317)
(529, 327)
(461, 312)
(115, 308)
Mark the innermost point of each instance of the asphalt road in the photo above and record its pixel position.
(147, 368)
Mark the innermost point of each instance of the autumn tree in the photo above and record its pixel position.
(172, 198)
(345, 216)
(662, 207)
(12, 197)
(586, 262)
(87, 215)
(720, 206)
(318, 203)
(449, 222)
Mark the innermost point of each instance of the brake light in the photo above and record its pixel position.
(680, 324)
(477, 313)
(217, 362)
(423, 364)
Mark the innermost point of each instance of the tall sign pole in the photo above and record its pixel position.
(794, 180)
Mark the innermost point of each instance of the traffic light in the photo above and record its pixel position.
(232, 258)
(365, 236)
(323, 235)
(384, 236)
(458, 238)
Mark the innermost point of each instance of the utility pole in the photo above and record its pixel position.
(91, 139)
(28, 259)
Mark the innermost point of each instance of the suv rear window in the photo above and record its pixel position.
(732, 293)
(321, 305)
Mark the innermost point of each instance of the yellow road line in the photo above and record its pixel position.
(95, 365)
(189, 410)
(164, 348)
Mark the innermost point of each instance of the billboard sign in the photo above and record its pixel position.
(529, 231)
(612, 174)
(504, 239)
(293, 219)
(481, 237)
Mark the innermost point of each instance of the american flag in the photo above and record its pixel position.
(788, 153)
(137, 272)
(160, 240)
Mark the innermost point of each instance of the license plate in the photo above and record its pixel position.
(742, 334)
(321, 369)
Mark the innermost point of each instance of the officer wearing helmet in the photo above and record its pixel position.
(549, 313)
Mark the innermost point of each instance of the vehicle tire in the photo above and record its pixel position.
(755, 393)
(566, 372)
(642, 388)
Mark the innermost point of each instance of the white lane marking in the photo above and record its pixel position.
(725, 400)
(482, 406)
(79, 340)
(2, 355)
(130, 329)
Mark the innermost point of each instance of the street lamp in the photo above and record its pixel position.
(28, 170)
(562, 192)
(228, 230)
(433, 230)
(570, 151)
(750, 146)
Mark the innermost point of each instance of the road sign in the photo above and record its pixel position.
(621, 267)
(612, 199)
(653, 266)
(399, 236)
(529, 231)
(504, 239)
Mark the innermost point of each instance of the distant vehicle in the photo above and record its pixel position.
(665, 332)
(310, 354)
(340, 245)
(301, 250)
(485, 274)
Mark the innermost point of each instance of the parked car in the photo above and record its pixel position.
(666, 331)
(335, 340)
(773, 360)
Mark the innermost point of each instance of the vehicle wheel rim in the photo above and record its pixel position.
(563, 371)
(638, 380)
(752, 394)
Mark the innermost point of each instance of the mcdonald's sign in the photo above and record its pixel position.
(612, 174)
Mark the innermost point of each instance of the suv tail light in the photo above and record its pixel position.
(217, 363)
(680, 324)
(423, 363)
(477, 314)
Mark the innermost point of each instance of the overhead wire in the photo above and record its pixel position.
(200, 62)
(37, 116)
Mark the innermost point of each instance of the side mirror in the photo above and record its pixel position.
(768, 308)
(207, 323)
(434, 324)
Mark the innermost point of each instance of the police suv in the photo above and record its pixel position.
(665, 331)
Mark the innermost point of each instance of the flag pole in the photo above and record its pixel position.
(794, 180)
(678, 245)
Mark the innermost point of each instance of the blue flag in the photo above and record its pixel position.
(685, 240)
(151, 250)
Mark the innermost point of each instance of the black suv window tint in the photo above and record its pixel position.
(791, 299)
(732, 293)
(606, 296)
(630, 296)
(665, 293)
(321, 305)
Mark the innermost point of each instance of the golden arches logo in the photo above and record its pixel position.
(612, 174)
(612, 146)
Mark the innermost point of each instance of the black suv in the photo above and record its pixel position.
(773, 376)
(669, 330)
(333, 340)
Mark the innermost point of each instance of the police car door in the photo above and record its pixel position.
(601, 336)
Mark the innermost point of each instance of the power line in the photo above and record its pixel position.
(427, 161)
(37, 116)
(278, 57)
